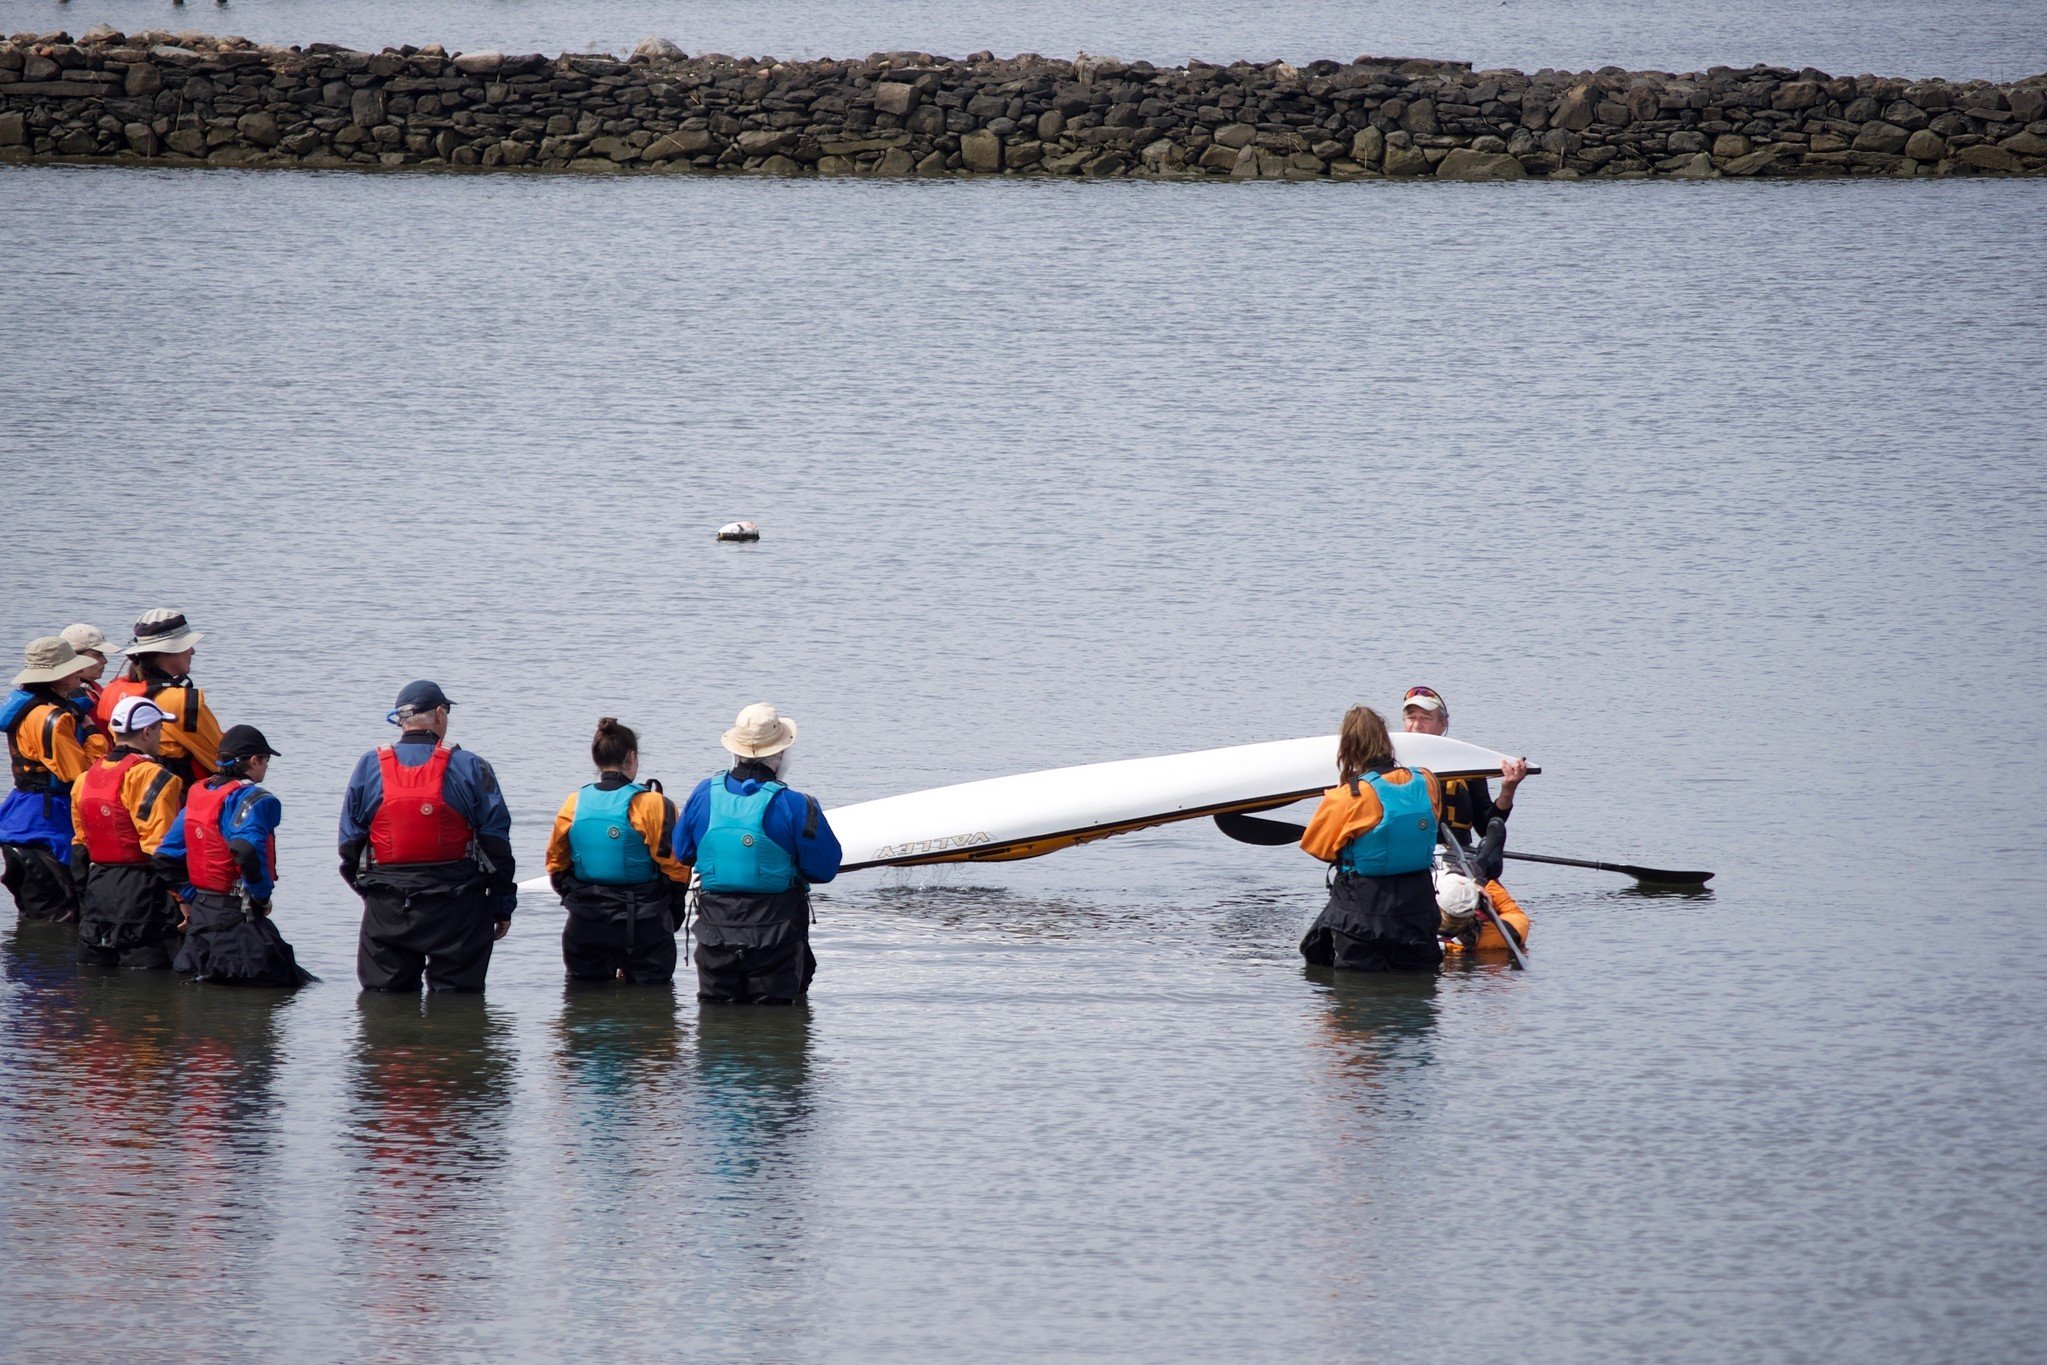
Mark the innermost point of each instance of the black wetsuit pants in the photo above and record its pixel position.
(433, 919)
(39, 881)
(754, 949)
(127, 917)
(613, 929)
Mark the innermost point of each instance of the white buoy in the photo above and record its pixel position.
(739, 530)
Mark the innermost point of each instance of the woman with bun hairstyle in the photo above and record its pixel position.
(1377, 827)
(609, 861)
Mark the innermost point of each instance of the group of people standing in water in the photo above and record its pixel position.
(135, 815)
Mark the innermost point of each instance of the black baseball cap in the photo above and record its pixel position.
(422, 696)
(244, 741)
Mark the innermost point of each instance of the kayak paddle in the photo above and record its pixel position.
(1250, 829)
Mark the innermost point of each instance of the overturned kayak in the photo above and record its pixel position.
(1001, 819)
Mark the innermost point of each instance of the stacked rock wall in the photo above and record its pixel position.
(187, 99)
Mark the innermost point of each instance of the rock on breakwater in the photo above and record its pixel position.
(189, 99)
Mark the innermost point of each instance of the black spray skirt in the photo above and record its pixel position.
(228, 944)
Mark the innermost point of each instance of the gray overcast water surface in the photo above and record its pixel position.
(1983, 39)
(1723, 501)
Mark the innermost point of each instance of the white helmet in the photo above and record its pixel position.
(1456, 901)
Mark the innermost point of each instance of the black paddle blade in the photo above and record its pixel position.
(1657, 876)
(1249, 829)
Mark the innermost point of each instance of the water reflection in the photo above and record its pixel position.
(142, 1120)
(431, 1080)
(1375, 1028)
(755, 1121)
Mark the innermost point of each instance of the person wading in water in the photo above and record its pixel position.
(610, 863)
(426, 842)
(121, 812)
(758, 846)
(1378, 827)
(159, 662)
(223, 848)
(51, 742)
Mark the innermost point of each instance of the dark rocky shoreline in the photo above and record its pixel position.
(187, 99)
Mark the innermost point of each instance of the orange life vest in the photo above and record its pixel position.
(110, 833)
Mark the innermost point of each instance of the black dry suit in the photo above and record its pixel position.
(753, 939)
(617, 926)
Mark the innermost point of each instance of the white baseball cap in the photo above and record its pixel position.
(1427, 698)
(135, 713)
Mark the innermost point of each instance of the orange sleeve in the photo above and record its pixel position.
(202, 741)
(558, 859)
(1340, 818)
(77, 821)
(653, 815)
(153, 796)
(67, 758)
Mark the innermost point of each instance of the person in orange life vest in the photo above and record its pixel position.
(1378, 827)
(159, 660)
(121, 812)
(92, 645)
(1469, 803)
(51, 742)
(426, 842)
(609, 860)
(222, 849)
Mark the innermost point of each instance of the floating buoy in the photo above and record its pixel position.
(739, 530)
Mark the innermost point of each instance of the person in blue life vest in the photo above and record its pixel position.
(758, 845)
(1377, 827)
(609, 860)
(52, 740)
(426, 842)
(121, 813)
(222, 849)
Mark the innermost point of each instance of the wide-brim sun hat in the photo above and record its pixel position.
(163, 631)
(82, 637)
(50, 658)
(759, 732)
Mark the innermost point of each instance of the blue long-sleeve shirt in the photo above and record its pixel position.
(793, 820)
(248, 818)
(469, 786)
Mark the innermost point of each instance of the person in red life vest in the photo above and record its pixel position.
(1378, 827)
(1468, 802)
(609, 860)
(91, 645)
(159, 664)
(223, 849)
(51, 742)
(426, 842)
(121, 812)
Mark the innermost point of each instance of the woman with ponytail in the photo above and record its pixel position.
(609, 860)
(1377, 828)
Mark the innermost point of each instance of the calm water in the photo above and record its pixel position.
(1723, 502)
(1984, 39)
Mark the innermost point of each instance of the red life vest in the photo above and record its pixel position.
(210, 862)
(110, 833)
(110, 697)
(415, 823)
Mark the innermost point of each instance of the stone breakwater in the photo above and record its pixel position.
(187, 99)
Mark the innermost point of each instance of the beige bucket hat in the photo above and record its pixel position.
(49, 659)
(163, 631)
(759, 732)
(82, 637)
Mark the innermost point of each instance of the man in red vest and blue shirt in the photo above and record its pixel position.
(426, 842)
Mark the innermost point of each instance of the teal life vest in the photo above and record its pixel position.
(604, 847)
(1404, 840)
(736, 853)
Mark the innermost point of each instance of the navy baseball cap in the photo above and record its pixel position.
(417, 699)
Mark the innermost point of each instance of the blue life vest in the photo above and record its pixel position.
(736, 853)
(1404, 840)
(604, 847)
